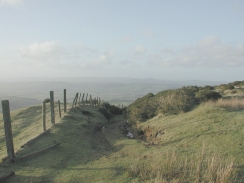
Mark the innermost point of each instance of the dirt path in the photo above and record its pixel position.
(99, 141)
(118, 128)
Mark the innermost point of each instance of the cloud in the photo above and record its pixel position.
(41, 50)
(208, 52)
(148, 33)
(47, 53)
(140, 49)
(125, 62)
(104, 59)
(127, 39)
(78, 48)
(52, 54)
(11, 2)
(208, 41)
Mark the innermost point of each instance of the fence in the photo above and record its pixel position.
(7, 120)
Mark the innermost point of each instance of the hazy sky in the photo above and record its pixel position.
(163, 39)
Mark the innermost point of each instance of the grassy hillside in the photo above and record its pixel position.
(204, 144)
(26, 124)
(19, 102)
(175, 101)
(90, 153)
(220, 132)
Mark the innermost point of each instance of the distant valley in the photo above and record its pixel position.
(31, 91)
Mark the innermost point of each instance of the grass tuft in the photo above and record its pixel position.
(233, 104)
(198, 168)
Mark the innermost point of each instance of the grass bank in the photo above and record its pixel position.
(203, 145)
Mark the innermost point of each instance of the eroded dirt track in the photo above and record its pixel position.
(117, 128)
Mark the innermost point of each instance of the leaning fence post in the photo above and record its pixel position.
(76, 100)
(65, 105)
(8, 130)
(52, 107)
(79, 98)
(83, 98)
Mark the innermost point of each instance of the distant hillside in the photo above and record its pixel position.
(19, 102)
(114, 90)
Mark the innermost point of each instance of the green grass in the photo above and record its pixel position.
(221, 132)
(88, 154)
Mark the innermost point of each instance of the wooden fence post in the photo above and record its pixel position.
(59, 108)
(90, 100)
(8, 130)
(52, 107)
(65, 104)
(79, 98)
(76, 100)
(44, 113)
(86, 98)
(83, 98)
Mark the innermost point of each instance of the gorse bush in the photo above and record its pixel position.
(227, 86)
(143, 108)
(206, 95)
(168, 102)
(176, 101)
(112, 108)
(109, 110)
(207, 87)
(105, 112)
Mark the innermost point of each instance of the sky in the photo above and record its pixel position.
(161, 39)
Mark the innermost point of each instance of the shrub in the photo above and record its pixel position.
(166, 102)
(233, 92)
(143, 108)
(105, 112)
(106, 105)
(112, 108)
(176, 101)
(115, 110)
(227, 86)
(207, 87)
(205, 95)
(237, 83)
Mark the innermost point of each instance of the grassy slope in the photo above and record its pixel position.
(88, 155)
(82, 156)
(222, 132)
